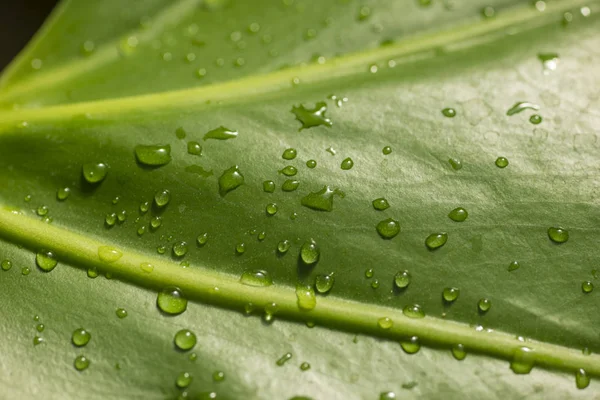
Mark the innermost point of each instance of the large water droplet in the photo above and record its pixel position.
(80, 337)
(582, 380)
(388, 228)
(94, 172)
(558, 234)
(311, 117)
(402, 279)
(194, 148)
(321, 200)
(170, 300)
(521, 106)
(256, 277)
(307, 300)
(523, 360)
(185, 339)
(220, 133)
(162, 198)
(45, 260)
(436, 240)
(411, 345)
(587, 287)
(231, 179)
(269, 186)
(153, 155)
(459, 214)
(6, 265)
(310, 252)
(324, 283)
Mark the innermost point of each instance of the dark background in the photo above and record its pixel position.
(19, 20)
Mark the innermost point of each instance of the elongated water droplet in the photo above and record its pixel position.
(385, 323)
(413, 311)
(523, 360)
(347, 164)
(290, 185)
(80, 337)
(484, 305)
(411, 345)
(449, 112)
(458, 352)
(63, 193)
(289, 154)
(231, 179)
(94, 172)
(324, 283)
(513, 265)
(388, 228)
(459, 214)
(587, 287)
(146, 267)
(81, 363)
(269, 186)
(108, 254)
(450, 294)
(307, 300)
(45, 260)
(183, 380)
(155, 222)
(153, 155)
(220, 133)
(558, 234)
(380, 204)
(436, 240)
(170, 300)
(144, 207)
(289, 170)
(283, 246)
(110, 219)
(285, 358)
(162, 198)
(194, 148)
(122, 216)
(310, 252)
(582, 380)
(455, 163)
(256, 277)
(180, 249)
(121, 313)
(185, 339)
(311, 117)
(321, 200)
(521, 106)
(501, 162)
(6, 265)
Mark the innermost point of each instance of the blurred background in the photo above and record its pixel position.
(19, 20)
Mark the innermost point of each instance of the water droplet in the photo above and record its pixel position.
(582, 380)
(484, 305)
(387, 396)
(283, 246)
(27, 198)
(312, 117)
(269, 186)
(385, 323)
(220, 133)
(455, 163)
(147, 267)
(37, 340)
(110, 219)
(310, 252)
(436, 240)
(171, 301)
(289, 170)
(450, 294)
(153, 155)
(231, 179)
(364, 13)
(289, 154)
(25, 271)
(271, 209)
(80, 337)
(321, 200)
(42, 210)
(256, 277)
(311, 164)
(305, 366)
(240, 248)
(375, 284)
(185, 339)
(122, 216)
(402, 279)
(587, 287)
(459, 214)
(535, 119)
(369, 273)
(155, 222)
(180, 249)
(40, 328)
(388, 228)
(411, 345)
(387, 150)
(458, 351)
(121, 313)
(108, 254)
(87, 47)
(413, 311)
(92, 272)
(183, 380)
(513, 265)
(194, 148)
(347, 164)
(380, 204)
(63, 193)
(81, 363)
(45, 260)
(6, 265)
(449, 112)
(193, 357)
(501, 162)
(218, 376)
(307, 300)
(549, 61)
(285, 358)
(144, 207)
(162, 198)
(558, 234)
(202, 239)
(521, 106)
(324, 283)
(523, 360)
(94, 172)
(290, 185)
(180, 133)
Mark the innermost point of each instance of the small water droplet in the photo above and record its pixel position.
(170, 300)
(307, 300)
(220, 133)
(380, 204)
(285, 358)
(194, 148)
(218, 376)
(321, 200)
(144, 207)
(449, 112)
(121, 313)
(436, 240)
(269, 186)
(42, 210)
(92, 272)
(388, 228)
(513, 265)
(240, 248)
(289, 154)
(369, 273)
(162, 198)
(45, 260)
(183, 380)
(256, 277)
(305, 366)
(310, 252)
(271, 209)
(386, 150)
(25, 271)
(146, 267)
(80, 337)
(185, 339)
(40, 328)
(153, 155)
(535, 119)
(413, 311)
(202, 239)
(459, 214)
(385, 323)
(311, 164)
(283, 246)
(290, 185)
(455, 163)
(37, 340)
(521, 106)
(450, 294)
(402, 279)
(347, 164)
(523, 360)
(587, 287)
(387, 396)
(155, 222)
(311, 117)
(558, 234)
(582, 380)
(231, 179)
(180, 249)
(108, 254)
(63, 193)
(289, 170)
(411, 345)
(110, 219)
(324, 283)
(501, 162)
(122, 216)
(81, 363)
(484, 305)
(458, 352)
(6, 265)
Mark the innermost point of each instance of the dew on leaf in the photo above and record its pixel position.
(202, 239)
(121, 313)
(450, 294)
(305, 295)
(311, 164)
(194, 148)
(40, 328)
(170, 300)
(501, 162)
(220, 133)
(311, 117)
(587, 287)
(305, 366)
(185, 339)
(388, 228)
(42, 210)
(218, 376)
(63, 193)
(183, 380)
(283, 246)
(269, 186)
(321, 200)
(240, 248)
(180, 249)
(122, 216)
(436, 240)
(271, 209)
(385, 323)
(146, 267)
(458, 352)
(37, 340)
(283, 359)
(110, 219)
(523, 360)
(369, 272)
(549, 61)
(347, 164)
(449, 112)
(535, 119)
(459, 214)
(521, 106)
(582, 379)
(380, 204)
(386, 150)
(80, 337)
(310, 252)
(402, 279)
(411, 345)
(455, 163)
(25, 271)
(109, 254)
(413, 311)
(289, 154)
(290, 185)
(484, 305)
(387, 396)
(513, 265)
(6, 265)
(231, 179)
(256, 277)
(144, 207)
(289, 170)
(162, 198)
(92, 272)
(180, 133)
(81, 363)
(155, 222)
(141, 230)
(558, 234)
(153, 155)
(324, 283)
(45, 260)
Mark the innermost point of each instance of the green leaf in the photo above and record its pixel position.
(168, 121)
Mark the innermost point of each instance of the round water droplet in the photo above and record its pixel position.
(587, 287)
(380, 204)
(459, 214)
(449, 112)
(146, 267)
(271, 209)
(385, 323)
(484, 305)
(311, 164)
(411, 345)
(94, 172)
(110, 219)
(180, 249)
(369, 273)
(184, 380)
(450, 294)
(582, 380)
(155, 222)
(218, 376)
(501, 162)
(171, 301)
(387, 396)
(289, 170)
(185, 339)
(194, 148)
(81, 363)
(121, 313)
(402, 279)
(261, 236)
(269, 186)
(290, 185)
(42, 210)
(310, 252)
(25, 271)
(324, 283)
(40, 327)
(240, 248)
(523, 360)
(436, 240)
(307, 300)
(289, 154)
(558, 234)
(386, 150)
(413, 311)
(513, 265)
(283, 359)
(141, 230)
(283, 246)
(256, 277)
(202, 239)
(80, 337)
(388, 228)
(455, 163)
(231, 179)
(162, 198)
(535, 119)
(63, 193)
(458, 352)
(6, 265)
(347, 164)
(109, 254)
(45, 260)
(305, 366)
(154, 155)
